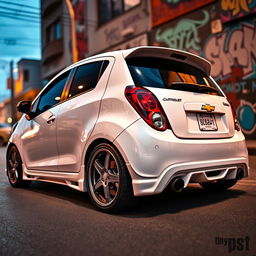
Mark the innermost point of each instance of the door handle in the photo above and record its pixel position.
(51, 119)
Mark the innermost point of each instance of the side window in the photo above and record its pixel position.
(51, 96)
(86, 77)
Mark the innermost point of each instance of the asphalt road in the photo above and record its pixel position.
(49, 219)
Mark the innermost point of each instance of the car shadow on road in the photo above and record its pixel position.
(62, 192)
(170, 202)
(149, 206)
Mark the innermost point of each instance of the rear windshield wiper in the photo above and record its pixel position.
(192, 87)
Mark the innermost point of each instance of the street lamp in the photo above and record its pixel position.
(73, 31)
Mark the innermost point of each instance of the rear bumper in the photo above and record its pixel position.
(192, 172)
(154, 158)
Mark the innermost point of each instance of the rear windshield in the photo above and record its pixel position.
(174, 75)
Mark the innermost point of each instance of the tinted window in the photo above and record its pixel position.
(86, 77)
(51, 96)
(161, 73)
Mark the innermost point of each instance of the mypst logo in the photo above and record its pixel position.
(234, 244)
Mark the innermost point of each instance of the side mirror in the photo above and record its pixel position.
(24, 106)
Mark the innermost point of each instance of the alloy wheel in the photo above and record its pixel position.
(13, 163)
(104, 177)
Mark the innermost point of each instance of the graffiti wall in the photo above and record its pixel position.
(231, 52)
(120, 32)
(165, 10)
(233, 9)
(141, 40)
(187, 33)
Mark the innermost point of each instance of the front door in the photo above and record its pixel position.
(39, 139)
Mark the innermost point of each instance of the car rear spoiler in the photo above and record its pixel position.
(168, 53)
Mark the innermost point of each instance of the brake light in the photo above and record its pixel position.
(236, 123)
(147, 106)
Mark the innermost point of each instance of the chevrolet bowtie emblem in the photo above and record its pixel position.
(208, 108)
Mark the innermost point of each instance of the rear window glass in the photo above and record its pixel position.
(175, 75)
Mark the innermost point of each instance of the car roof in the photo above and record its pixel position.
(148, 51)
(154, 51)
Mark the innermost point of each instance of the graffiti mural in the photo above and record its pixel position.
(79, 7)
(233, 48)
(233, 9)
(165, 10)
(187, 33)
(246, 113)
(232, 54)
(184, 35)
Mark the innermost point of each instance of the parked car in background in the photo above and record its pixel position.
(5, 132)
(129, 123)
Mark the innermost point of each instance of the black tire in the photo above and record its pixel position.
(108, 181)
(14, 168)
(1, 142)
(219, 185)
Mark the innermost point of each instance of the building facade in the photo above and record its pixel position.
(56, 38)
(27, 85)
(223, 32)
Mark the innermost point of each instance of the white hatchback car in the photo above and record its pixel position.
(129, 123)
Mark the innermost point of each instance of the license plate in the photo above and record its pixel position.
(207, 122)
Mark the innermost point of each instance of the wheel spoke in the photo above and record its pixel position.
(15, 164)
(99, 167)
(107, 160)
(13, 174)
(107, 194)
(113, 177)
(11, 163)
(98, 184)
(16, 174)
(14, 155)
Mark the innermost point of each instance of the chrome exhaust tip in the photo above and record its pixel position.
(239, 174)
(177, 184)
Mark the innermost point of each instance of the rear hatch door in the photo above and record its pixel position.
(194, 104)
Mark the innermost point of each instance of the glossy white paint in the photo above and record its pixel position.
(38, 135)
(75, 122)
(56, 152)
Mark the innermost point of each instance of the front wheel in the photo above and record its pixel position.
(14, 168)
(219, 184)
(108, 181)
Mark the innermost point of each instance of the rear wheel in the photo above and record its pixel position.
(108, 181)
(1, 142)
(14, 168)
(219, 184)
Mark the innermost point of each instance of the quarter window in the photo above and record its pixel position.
(86, 77)
(52, 95)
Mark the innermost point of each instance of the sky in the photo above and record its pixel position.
(19, 36)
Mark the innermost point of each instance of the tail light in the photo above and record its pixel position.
(236, 123)
(147, 106)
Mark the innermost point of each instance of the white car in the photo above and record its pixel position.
(129, 123)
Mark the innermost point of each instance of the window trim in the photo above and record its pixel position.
(71, 69)
(38, 99)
